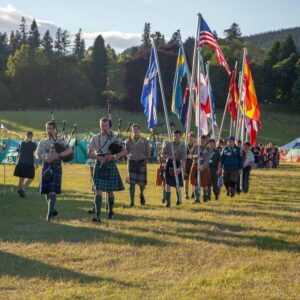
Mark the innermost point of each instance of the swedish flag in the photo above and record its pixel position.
(149, 93)
(180, 73)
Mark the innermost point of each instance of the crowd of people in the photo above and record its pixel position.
(201, 168)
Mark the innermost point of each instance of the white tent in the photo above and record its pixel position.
(293, 144)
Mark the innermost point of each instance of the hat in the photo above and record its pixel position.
(231, 138)
(212, 141)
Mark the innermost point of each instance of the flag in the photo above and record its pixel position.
(251, 104)
(210, 111)
(177, 90)
(252, 130)
(207, 38)
(201, 100)
(149, 93)
(233, 97)
(185, 107)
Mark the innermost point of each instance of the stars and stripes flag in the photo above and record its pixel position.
(207, 38)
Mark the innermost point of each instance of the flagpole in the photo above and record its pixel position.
(167, 120)
(244, 102)
(210, 102)
(199, 122)
(191, 100)
(223, 118)
(184, 56)
(237, 132)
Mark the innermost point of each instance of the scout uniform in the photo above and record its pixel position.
(180, 156)
(214, 162)
(248, 163)
(205, 179)
(106, 176)
(138, 152)
(232, 163)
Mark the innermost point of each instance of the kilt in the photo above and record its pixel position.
(205, 178)
(160, 175)
(188, 167)
(169, 174)
(107, 178)
(54, 184)
(137, 172)
(24, 171)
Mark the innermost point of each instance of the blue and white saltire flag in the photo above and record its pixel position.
(213, 102)
(149, 93)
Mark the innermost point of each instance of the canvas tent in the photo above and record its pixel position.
(291, 151)
(9, 151)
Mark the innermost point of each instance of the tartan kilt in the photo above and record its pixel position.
(107, 178)
(169, 177)
(54, 184)
(137, 172)
(205, 179)
(188, 167)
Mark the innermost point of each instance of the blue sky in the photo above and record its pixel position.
(121, 22)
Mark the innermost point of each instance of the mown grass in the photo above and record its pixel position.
(279, 125)
(242, 248)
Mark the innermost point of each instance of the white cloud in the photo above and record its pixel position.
(116, 39)
(10, 19)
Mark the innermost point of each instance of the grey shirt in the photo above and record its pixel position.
(100, 143)
(179, 150)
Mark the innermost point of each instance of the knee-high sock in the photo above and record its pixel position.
(197, 194)
(111, 201)
(98, 204)
(168, 197)
(164, 194)
(132, 192)
(51, 204)
(142, 188)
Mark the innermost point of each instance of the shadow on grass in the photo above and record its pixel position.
(17, 266)
(226, 234)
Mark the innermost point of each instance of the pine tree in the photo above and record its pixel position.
(4, 48)
(34, 36)
(79, 45)
(233, 32)
(14, 42)
(99, 62)
(159, 39)
(58, 42)
(65, 42)
(23, 31)
(146, 41)
(287, 48)
(47, 44)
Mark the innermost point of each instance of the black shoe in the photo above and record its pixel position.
(131, 204)
(187, 197)
(21, 193)
(193, 196)
(96, 220)
(168, 204)
(142, 200)
(54, 213)
(216, 197)
(196, 202)
(163, 200)
(178, 203)
(110, 215)
(92, 211)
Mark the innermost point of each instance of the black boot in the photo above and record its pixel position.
(142, 200)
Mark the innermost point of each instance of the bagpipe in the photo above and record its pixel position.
(58, 147)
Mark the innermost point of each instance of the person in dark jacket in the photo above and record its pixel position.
(232, 164)
(25, 164)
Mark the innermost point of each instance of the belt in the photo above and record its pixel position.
(53, 163)
(137, 161)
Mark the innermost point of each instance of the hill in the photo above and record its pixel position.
(266, 39)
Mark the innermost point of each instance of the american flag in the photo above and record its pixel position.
(207, 38)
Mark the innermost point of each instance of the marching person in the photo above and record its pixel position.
(205, 178)
(138, 152)
(106, 149)
(25, 164)
(248, 162)
(232, 164)
(180, 157)
(189, 162)
(50, 185)
(215, 167)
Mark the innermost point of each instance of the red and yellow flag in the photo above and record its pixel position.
(252, 108)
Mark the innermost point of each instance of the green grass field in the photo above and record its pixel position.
(279, 125)
(247, 247)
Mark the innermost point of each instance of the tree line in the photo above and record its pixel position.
(34, 68)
